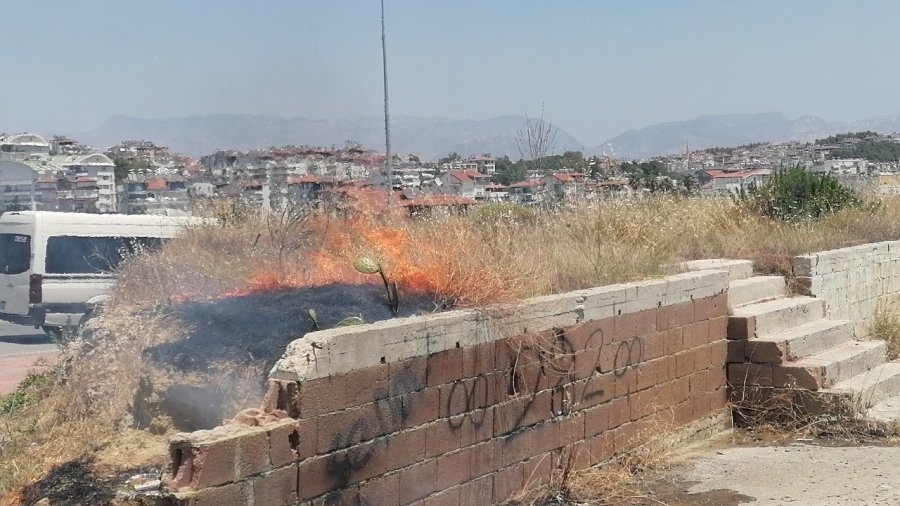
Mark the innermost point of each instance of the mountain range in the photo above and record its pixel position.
(429, 138)
(432, 138)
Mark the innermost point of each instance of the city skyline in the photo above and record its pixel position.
(599, 68)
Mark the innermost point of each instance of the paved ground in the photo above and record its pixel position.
(800, 473)
(20, 347)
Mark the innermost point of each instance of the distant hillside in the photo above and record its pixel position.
(715, 130)
(429, 138)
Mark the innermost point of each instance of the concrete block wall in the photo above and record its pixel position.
(470, 407)
(854, 281)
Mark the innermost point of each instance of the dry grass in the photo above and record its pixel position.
(619, 481)
(468, 261)
(885, 326)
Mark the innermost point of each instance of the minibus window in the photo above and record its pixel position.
(15, 253)
(91, 255)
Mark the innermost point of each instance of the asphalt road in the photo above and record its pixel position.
(20, 348)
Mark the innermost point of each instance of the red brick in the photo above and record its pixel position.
(619, 411)
(718, 351)
(625, 382)
(283, 395)
(479, 359)
(485, 458)
(361, 386)
(381, 491)
(441, 437)
(703, 357)
(508, 481)
(701, 406)
(418, 481)
(602, 447)
(476, 426)
(595, 390)
(696, 334)
(276, 487)
(453, 469)
(750, 374)
(406, 448)
(645, 322)
(697, 383)
(421, 407)
(574, 457)
(719, 399)
(596, 420)
(741, 328)
(449, 497)
(641, 404)
(209, 464)
(683, 413)
(710, 307)
(654, 345)
(454, 398)
(407, 376)
(590, 335)
(291, 440)
(586, 363)
(684, 363)
(348, 496)
(674, 341)
(681, 390)
(351, 426)
(528, 377)
(362, 462)
(537, 470)
(445, 367)
(522, 412)
(718, 328)
(735, 352)
(667, 369)
(317, 476)
(505, 352)
(251, 454)
(647, 374)
(476, 492)
(684, 313)
(234, 494)
(717, 379)
(665, 318)
(625, 326)
(572, 428)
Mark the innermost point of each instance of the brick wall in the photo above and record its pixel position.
(853, 281)
(469, 408)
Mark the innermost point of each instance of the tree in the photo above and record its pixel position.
(536, 140)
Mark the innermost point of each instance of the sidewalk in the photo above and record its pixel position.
(14, 367)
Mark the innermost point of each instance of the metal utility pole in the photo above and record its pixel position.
(387, 117)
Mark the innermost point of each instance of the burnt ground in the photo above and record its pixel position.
(256, 328)
(233, 342)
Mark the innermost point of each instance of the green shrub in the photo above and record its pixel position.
(795, 194)
(28, 392)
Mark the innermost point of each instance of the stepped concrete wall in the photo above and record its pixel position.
(470, 407)
(854, 281)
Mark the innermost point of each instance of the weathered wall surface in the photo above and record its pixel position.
(853, 281)
(469, 408)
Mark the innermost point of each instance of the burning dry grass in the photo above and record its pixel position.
(467, 261)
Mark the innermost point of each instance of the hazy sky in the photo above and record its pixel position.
(600, 67)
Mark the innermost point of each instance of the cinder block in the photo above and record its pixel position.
(278, 487)
(418, 481)
(453, 469)
(381, 491)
